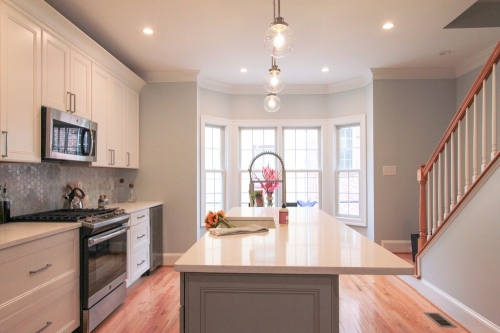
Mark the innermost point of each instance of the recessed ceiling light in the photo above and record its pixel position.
(243, 70)
(388, 25)
(325, 69)
(445, 52)
(147, 31)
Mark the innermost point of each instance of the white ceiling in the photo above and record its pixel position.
(218, 37)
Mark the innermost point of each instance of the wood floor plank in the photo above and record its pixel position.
(368, 304)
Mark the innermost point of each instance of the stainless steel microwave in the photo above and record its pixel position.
(66, 137)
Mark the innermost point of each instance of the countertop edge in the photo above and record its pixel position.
(131, 207)
(293, 270)
(59, 228)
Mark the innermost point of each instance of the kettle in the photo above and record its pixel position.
(73, 199)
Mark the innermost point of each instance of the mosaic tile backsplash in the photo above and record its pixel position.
(40, 187)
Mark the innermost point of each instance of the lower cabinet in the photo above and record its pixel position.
(138, 252)
(39, 285)
(258, 303)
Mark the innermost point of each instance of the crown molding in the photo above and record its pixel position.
(475, 62)
(413, 73)
(170, 76)
(355, 83)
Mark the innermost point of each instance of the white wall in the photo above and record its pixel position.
(463, 262)
(169, 159)
(409, 118)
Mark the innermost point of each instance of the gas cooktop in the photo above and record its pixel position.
(62, 215)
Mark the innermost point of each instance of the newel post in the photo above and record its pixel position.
(422, 218)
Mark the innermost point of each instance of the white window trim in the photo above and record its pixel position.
(350, 120)
(327, 157)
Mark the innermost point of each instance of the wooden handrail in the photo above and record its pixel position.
(469, 99)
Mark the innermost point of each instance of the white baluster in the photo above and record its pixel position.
(459, 162)
(452, 176)
(429, 205)
(440, 192)
(474, 143)
(434, 200)
(445, 188)
(483, 130)
(493, 111)
(467, 158)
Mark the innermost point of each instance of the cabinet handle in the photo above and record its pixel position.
(141, 236)
(41, 269)
(110, 157)
(6, 143)
(128, 159)
(114, 157)
(140, 217)
(142, 262)
(68, 93)
(74, 102)
(43, 328)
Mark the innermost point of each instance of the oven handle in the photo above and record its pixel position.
(107, 235)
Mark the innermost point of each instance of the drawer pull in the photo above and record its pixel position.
(140, 236)
(41, 269)
(43, 328)
(140, 217)
(142, 262)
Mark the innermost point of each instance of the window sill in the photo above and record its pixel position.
(351, 221)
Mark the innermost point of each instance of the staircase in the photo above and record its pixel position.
(465, 154)
(457, 265)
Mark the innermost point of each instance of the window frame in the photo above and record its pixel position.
(338, 123)
(319, 170)
(222, 125)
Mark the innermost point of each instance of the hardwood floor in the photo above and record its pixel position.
(367, 304)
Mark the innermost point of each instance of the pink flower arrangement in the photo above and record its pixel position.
(269, 174)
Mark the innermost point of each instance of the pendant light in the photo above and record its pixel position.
(272, 103)
(274, 81)
(278, 39)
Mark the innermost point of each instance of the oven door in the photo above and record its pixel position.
(104, 264)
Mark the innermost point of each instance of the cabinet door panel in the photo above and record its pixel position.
(101, 85)
(115, 123)
(131, 134)
(55, 72)
(20, 75)
(81, 69)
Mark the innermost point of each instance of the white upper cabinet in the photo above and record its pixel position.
(101, 93)
(81, 82)
(131, 129)
(20, 91)
(66, 83)
(115, 120)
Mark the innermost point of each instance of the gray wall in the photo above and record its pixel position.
(469, 247)
(169, 159)
(464, 83)
(348, 103)
(409, 118)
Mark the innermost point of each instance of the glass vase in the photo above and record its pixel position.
(269, 199)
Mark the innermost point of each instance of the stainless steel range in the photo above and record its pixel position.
(103, 253)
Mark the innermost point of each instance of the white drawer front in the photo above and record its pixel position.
(32, 270)
(139, 236)
(139, 263)
(58, 312)
(139, 217)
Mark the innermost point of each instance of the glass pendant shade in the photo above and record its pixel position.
(274, 81)
(272, 103)
(279, 39)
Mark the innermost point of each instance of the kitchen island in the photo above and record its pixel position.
(284, 280)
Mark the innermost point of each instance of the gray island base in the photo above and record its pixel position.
(250, 303)
(284, 280)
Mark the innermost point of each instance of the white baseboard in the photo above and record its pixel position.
(461, 313)
(397, 246)
(169, 259)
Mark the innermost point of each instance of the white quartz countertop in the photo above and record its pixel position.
(312, 243)
(135, 206)
(12, 234)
